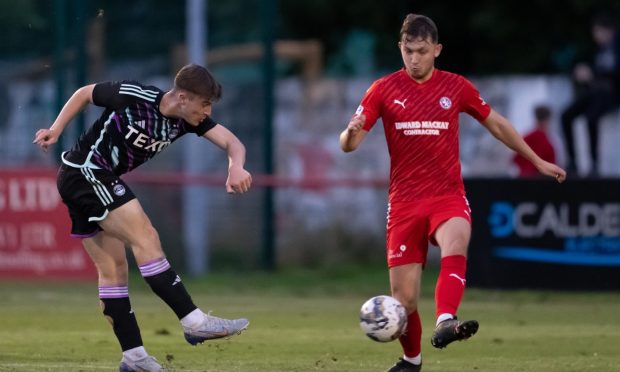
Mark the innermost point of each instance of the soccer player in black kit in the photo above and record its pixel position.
(138, 122)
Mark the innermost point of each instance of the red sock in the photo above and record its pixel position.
(412, 338)
(451, 284)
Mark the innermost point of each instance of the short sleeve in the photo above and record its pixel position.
(107, 95)
(472, 103)
(370, 105)
(203, 127)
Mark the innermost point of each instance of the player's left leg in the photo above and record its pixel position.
(452, 236)
(129, 223)
(108, 255)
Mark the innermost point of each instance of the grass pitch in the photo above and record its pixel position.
(306, 321)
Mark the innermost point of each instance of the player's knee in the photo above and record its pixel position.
(409, 301)
(455, 246)
(410, 304)
(144, 237)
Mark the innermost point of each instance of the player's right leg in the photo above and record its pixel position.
(108, 255)
(407, 246)
(89, 195)
(405, 286)
(129, 223)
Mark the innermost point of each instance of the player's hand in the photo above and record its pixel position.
(44, 138)
(552, 170)
(356, 124)
(239, 180)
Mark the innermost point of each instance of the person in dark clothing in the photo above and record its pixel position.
(139, 121)
(597, 89)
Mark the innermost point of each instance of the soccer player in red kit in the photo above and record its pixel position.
(419, 106)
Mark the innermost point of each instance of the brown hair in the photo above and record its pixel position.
(198, 80)
(542, 113)
(418, 26)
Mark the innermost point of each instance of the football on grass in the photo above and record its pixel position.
(383, 318)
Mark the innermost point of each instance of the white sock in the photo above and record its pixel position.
(442, 317)
(193, 319)
(417, 360)
(136, 353)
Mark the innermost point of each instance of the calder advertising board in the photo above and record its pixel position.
(541, 234)
(34, 230)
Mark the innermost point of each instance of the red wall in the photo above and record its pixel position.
(34, 229)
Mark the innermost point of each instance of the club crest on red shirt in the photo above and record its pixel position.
(445, 102)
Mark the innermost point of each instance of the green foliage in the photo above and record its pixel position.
(480, 37)
(23, 25)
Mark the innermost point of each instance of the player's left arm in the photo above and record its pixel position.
(503, 130)
(239, 180)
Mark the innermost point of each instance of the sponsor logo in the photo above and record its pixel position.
(402, 103)
(142, 141)
(458, 277)
(588, 233)
(359, 110)
(422, 128)
(399, 253)
(177, 280)
(396, 255)
(533, 220)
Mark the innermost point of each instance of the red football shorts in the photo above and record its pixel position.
(411, 225)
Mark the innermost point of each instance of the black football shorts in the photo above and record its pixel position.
(90, 194)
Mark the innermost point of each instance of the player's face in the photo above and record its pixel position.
(195, 108)
(419, 57)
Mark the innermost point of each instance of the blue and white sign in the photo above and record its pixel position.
(531, 233)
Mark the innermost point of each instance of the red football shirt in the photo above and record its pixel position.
(421, 124)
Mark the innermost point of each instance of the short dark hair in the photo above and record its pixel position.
(603, 20)
(418, 26)
(542, 113)
(198, 80)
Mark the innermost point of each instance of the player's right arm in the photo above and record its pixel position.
(80, 99)
(365, 117)
(354, 134)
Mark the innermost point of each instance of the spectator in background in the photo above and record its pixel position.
(597, 89)
(538, 140)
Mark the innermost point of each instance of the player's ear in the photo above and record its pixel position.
(438, 48)
(182, 96)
